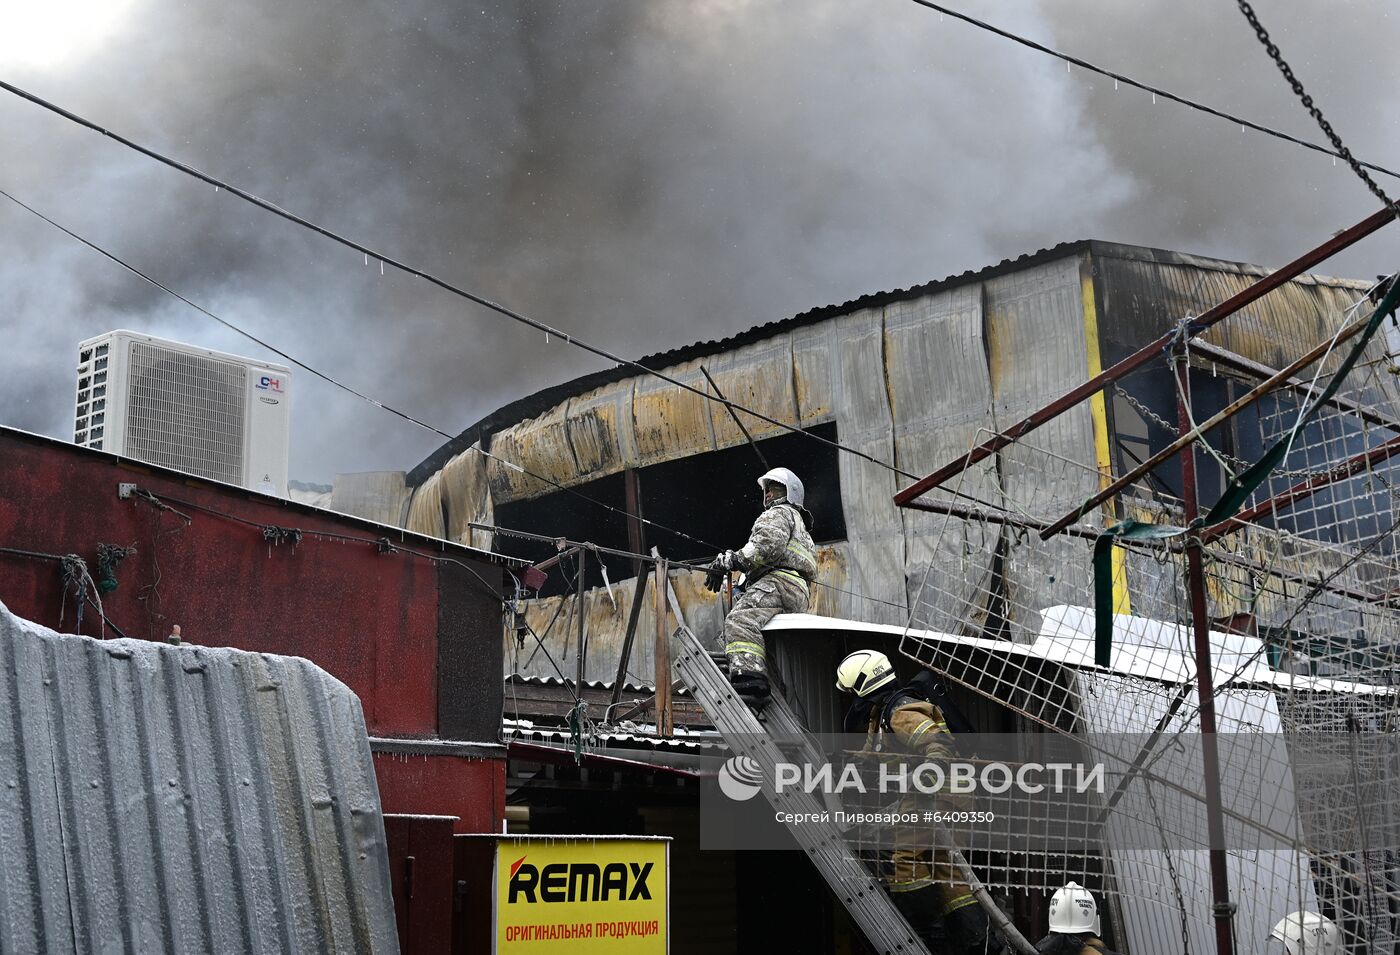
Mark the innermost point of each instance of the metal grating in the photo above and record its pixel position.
(183, 799)
(186, 412)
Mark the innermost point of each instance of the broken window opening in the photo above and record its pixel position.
(712, 497)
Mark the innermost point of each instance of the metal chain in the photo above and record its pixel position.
(1311, 107)
(1149, 415)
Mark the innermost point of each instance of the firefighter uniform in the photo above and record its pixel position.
(781, 563)
(910, 726)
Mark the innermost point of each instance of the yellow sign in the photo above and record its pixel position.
(590, 894)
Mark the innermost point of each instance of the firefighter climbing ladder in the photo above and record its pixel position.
(764, 742)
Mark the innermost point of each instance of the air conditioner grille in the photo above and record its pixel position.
(186, 412)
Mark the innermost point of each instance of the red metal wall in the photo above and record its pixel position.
(371, 619)
(434, 784)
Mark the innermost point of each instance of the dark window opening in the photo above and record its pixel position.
(715, 496)
(1139, 434)
(712, 498)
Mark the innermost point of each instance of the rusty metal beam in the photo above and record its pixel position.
(662, 653)
(636, 530)
(625, 656)
(1145, 355)
(1190, 435)
(1306, 489)
(1222, 910)
(1087, 532)
(1254, 369)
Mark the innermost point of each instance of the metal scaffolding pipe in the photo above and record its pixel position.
(1145, 354)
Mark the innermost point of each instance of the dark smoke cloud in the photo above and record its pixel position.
(645, 174)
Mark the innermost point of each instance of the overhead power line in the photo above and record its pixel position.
(1340, 153)
(381, 405)
(441, 283)
(338, 383)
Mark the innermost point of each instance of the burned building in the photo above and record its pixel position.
(907, 380)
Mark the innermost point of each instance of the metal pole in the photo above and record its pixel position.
(735, 415)
(625, 656)
(582, 566)
(662, 653)
(1145, 355)
(1222, 909)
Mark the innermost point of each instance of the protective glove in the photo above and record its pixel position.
(720, 568)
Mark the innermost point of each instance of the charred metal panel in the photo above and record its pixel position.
(600, 430)
(425, 510)
(941, 404)
(874, 527)
(161, 799)
(465, 488)
(757, 376)
(812, 375)
(1037, 349)
(378, 496)
(671, 423)
(539, 445)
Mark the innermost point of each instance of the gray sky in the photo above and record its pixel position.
(643, 173)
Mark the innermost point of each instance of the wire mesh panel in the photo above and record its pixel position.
(1302, 590)
(186, 412)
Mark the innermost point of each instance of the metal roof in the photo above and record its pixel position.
(534, 404)
(394, 533)
(162, 798)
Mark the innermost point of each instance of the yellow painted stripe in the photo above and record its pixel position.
(1103, 454)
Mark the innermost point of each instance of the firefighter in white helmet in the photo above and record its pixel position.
(779, 564)
(1307, 933)
(1074, 924)
(903, 722)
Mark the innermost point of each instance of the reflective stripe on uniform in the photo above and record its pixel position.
(743, 646)
(792, 574)
(924, 727)
(912, 885)
(961, 902)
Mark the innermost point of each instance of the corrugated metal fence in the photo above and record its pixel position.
(183, 799)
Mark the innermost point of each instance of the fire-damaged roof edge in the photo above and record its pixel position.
(540, 401)
(381, 530)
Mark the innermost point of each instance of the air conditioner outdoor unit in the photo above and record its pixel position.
(178, 406)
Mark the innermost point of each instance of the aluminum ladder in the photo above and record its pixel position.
(764, 742)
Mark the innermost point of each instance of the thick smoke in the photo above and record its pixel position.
(644, 174)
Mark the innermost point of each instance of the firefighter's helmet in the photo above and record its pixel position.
(864, 672)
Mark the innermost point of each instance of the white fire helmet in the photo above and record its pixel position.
(795, 491)
(1073, 910)
(864, 672)
(1307, 933)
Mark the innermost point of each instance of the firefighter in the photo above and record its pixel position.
(924, 884)
(779, 564)
(1307, 933)
(1074, 924)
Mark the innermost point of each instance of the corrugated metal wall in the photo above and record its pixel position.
(183, 799)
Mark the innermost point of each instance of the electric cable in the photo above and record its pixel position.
(379, 404)
(1148, 88)
(336, 382)
(433, 279)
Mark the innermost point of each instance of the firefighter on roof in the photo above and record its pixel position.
(904, 721)
(779, 564)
